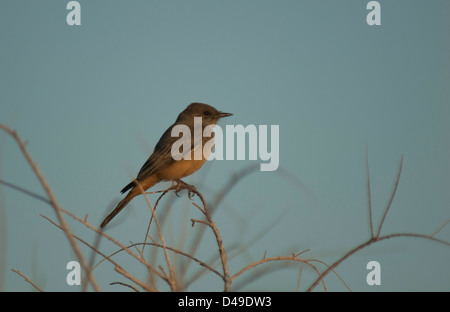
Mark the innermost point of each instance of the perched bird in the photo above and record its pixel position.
(161, 165)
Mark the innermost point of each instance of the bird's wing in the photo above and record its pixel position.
(162, 158)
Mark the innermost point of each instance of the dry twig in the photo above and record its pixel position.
(27, 280)
(53, 203)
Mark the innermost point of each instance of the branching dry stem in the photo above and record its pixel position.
(170, 277)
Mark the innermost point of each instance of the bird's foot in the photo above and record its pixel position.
(181, 185)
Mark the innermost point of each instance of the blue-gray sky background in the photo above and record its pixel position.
(92, 101)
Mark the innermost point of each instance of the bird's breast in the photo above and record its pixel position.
(181, 169)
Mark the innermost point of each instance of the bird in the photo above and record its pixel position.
(161, 165)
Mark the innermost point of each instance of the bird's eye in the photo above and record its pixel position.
(206, 113)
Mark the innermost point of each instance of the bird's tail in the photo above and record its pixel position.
(119, 207)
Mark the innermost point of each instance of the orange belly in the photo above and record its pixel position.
(180, 169)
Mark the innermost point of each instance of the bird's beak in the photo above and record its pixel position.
(221, 114)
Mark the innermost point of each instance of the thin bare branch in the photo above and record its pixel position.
(222, 252)
(392, 197)
(272, 259)
(25, 191)
(114, 241)
(232, 182)
(429, 237)
(440, 228)
(199, 221)
(54, 204)
(169, 248)
(335, 273)
(172, 278)
(124, 273)
(368, 243)
(126, 285)
(151, 218)
(299, 278)
(116, 265)
(369, 196)
(27, 280)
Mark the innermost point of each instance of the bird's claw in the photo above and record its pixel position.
(182, 186)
